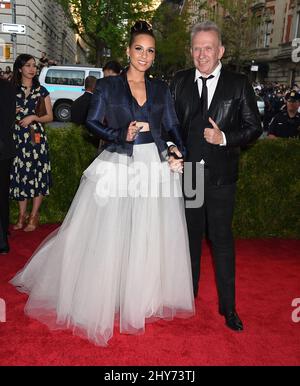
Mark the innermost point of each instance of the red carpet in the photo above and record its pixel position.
(267, 282)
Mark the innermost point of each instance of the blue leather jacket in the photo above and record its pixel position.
(111, 111)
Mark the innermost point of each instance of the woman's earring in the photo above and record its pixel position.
(128, 58)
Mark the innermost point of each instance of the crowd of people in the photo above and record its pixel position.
(124, 252)
(44, 61)
(281, 118)
(7, 74)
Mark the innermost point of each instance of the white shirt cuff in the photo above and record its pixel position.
(224, 139)
(170, 144)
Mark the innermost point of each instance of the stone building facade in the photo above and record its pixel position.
(278, 24)
(47, 29)
(272, 50)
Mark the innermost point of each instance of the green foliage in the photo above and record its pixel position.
(268, 196)
(268, 199)
(104, 24)
(238, 25)
(71, 151)
(172, 25)
(172, 39)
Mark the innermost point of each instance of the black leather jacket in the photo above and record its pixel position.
(234, 110)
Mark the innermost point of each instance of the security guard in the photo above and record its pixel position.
(286, 124)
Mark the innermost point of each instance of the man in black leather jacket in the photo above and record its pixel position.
(218, 114)
(7, 152)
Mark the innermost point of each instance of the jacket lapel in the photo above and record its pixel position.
(127, 93)
(190, 96)
(185, 100)
(149, 95)
(218, 96)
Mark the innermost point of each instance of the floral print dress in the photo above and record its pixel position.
(31, 172)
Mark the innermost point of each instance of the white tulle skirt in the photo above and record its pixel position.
(121, 256)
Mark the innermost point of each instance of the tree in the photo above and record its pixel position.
(172, 22)
(171, 30)
(104, 24)
(238, 25)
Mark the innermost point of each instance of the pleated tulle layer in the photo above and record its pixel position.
(121, 256)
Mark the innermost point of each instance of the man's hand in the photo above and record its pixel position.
(213, 135)
(176, 165)
(174, 149)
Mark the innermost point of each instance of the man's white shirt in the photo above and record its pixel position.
(211, 88)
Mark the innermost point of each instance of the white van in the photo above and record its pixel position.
(65, 84)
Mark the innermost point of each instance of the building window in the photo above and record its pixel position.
(65, 77)
(5, 52)
(96, 74)
(258, 33)
(268, 29)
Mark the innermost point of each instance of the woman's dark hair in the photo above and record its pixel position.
(114, 66)
(140, 27)
(19, 63)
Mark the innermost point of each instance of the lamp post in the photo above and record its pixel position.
(254, 70)
(13, 37)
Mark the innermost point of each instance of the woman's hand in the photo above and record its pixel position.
(176, 165)
(25, 122)
(132, 131)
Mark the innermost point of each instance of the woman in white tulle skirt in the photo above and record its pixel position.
(121, 256)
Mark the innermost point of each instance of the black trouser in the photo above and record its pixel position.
(216, 216)
(4, 200)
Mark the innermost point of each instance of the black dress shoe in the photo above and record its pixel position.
(233, 321)
(4, 250)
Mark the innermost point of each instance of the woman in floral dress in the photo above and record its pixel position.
(30, 175)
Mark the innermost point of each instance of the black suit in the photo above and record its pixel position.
(80, 107)
(234, 110)
(7, 152)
